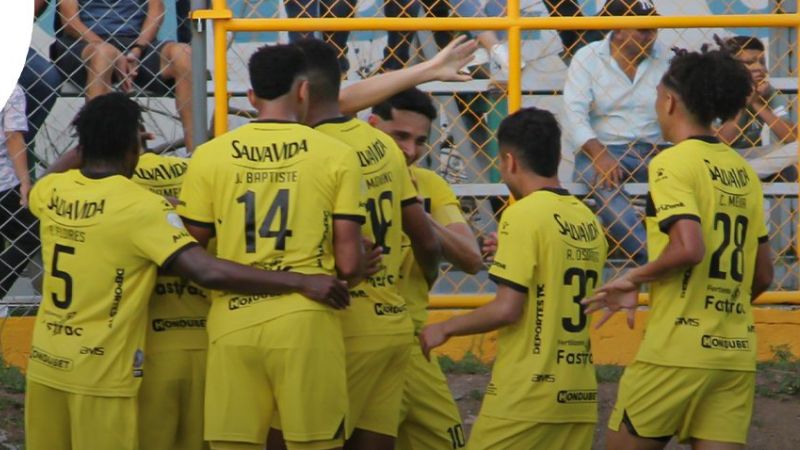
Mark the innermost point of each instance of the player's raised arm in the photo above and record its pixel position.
(445, 66)
(213, 273)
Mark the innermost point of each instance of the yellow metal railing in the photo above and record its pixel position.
(513, 24)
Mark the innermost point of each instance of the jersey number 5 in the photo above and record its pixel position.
(280, 205)
(583, 278)
(57, 273)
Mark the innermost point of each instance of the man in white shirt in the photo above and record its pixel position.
(609, 97)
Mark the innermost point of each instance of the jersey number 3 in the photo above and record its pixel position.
(584, 278)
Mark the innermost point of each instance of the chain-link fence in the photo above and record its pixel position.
(81, 49)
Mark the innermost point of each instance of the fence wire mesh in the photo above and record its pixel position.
(70, 61)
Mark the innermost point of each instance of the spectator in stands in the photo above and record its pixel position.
(572, 40)
(764, 108)
(40, 82)
(102, 43)
(17, 225)
(398, 45)
(324, 8)
(608, 100)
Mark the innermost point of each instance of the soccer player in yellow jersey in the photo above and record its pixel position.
(694, 374)
(377, 327)
(551, 252)
(283, 196)
(171, 395)
(103, 238)
(429, 418)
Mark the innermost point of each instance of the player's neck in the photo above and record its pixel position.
(684, 131)
(322, 111)
(277, 111)
(103, 169)
(531, 183)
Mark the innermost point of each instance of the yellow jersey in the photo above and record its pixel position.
(102, 242)
(552, 248)
(376, 306)
(178, 309)
(702, 317)
(270, 190)
(441, 203)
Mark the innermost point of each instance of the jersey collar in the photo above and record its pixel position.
(557, 191)
(706, 139)
(274, 121)
(340, 119)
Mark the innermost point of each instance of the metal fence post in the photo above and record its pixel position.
(199, 91)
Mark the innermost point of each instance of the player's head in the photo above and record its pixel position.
(324, 74)
(108, 133)
(632, 42)
(278, 74)
(699, 88)
(750, 51)
(406, 117)
(530, 145)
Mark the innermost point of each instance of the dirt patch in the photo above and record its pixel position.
(12, 432)
(775, 424)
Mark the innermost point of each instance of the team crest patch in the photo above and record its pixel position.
(174, 220)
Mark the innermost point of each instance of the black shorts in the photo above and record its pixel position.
(66, 52)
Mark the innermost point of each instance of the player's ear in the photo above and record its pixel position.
(672, 102)
(302, 91)
(373, 120)
(251, 97)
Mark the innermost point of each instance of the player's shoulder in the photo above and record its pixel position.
(430, 178)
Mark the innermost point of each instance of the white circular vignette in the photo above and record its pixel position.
(16, 26)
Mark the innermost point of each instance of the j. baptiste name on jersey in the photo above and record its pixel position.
(273, 152)
(585, 231)
(373, 154)
(736, 176)
(75, 209)
(162, 171)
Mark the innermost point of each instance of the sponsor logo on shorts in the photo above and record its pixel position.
(543, 378)
(56, 362)
(577, 397)
(178, 323)
(382, 309)
(725, 343)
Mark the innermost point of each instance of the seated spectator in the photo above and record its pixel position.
(18, 227)
(40, 81)
(103, 42)
(764, 108)
(608, 96)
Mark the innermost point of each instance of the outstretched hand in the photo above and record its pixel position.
(431, 337)
(616, 295)
(447, 64)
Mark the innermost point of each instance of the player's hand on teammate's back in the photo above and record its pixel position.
(616, 295)
(431, 337)
(327, 290)
(373, 257)
(489, 246)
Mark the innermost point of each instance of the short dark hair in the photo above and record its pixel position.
(413, 100)
(534, 136)
(712, 84)
(274, 69)
(324, 73)
(108, 127)
(737, 44)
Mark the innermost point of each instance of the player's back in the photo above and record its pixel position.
(441, 203)
(552, 247)
(270, 190)
(178, 309)
(702, 316)
(377, 307)
(102, 240)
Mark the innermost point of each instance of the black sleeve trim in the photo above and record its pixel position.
(763, 239)
(667, 223)
(352, 217)
(197, 223)
(409, 201)
(509, 283)
(171, 258)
